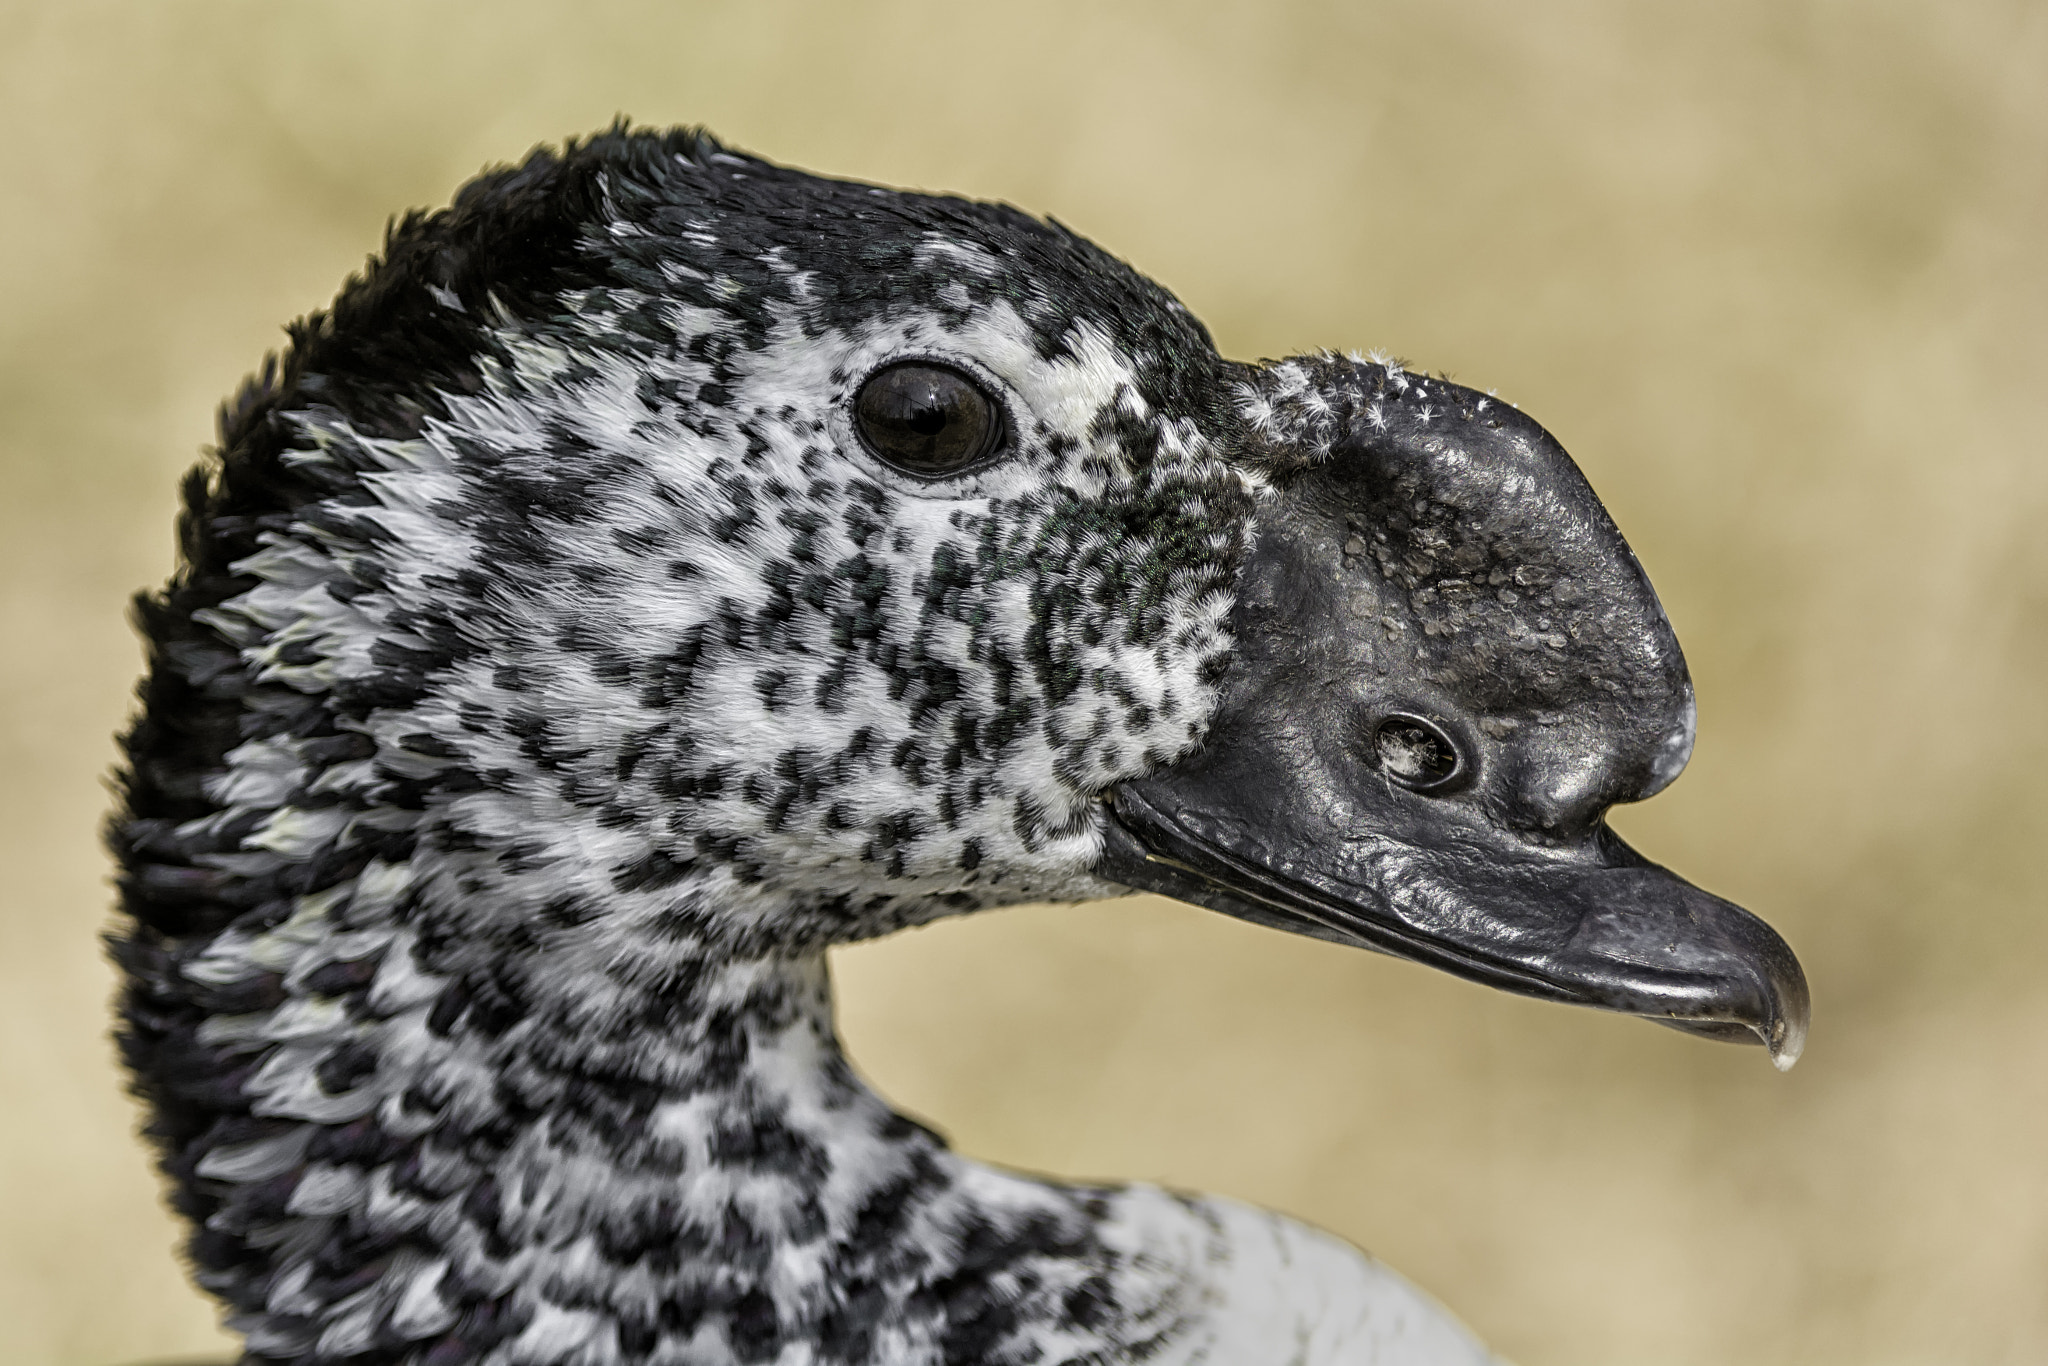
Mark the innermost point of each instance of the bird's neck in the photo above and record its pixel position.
(555, 1166)
(712, 1145)
(517, 1146)
(719, 1087)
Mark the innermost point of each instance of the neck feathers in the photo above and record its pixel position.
(400, 1155)
(404, 1160)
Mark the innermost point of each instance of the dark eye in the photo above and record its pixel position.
(1416, 753)
(926, 419)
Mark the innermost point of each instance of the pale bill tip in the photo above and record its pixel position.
(1785, 1044)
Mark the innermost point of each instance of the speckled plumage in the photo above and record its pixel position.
(551, 678)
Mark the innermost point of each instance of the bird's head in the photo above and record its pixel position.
(663, 553)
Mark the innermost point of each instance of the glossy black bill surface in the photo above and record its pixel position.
(1448, 667)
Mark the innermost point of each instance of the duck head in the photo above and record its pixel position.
(666, 559)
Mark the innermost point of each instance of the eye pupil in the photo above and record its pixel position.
(925, 418)
(1414, 753)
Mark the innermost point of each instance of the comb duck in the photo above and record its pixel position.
(661, 566)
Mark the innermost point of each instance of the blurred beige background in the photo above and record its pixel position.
(1773, 271)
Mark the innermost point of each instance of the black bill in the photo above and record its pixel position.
(1448, 667)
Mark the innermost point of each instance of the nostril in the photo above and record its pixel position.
(1414, 752)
